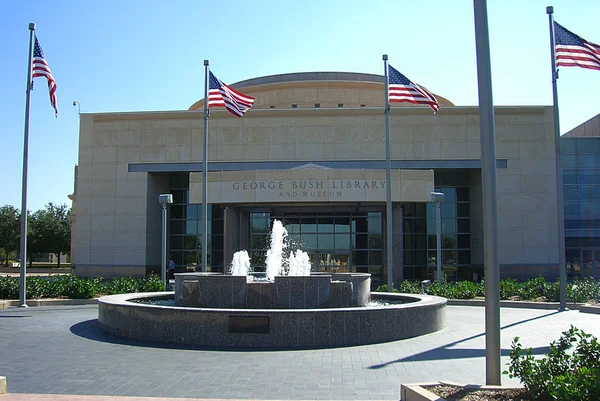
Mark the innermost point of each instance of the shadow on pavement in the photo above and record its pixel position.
(446, 352)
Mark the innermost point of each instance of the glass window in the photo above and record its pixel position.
(409, 242)
(420, 226)
(189, 242)
(179, 196)
(449, 241)
(409, 225)
(462, 210)
(432, 241)
(177, 212)
(192, 212)
(589, 208)
(308, 225)
(408, 210)
(588, 177)
(590, 192)
(176, 242)
(375, 241)
(448, 226)
(449, 257)
(342, 224)
(409, 258)
(569, 161)
(375, 223)
(449, 210)
(180, 180)
(420, 241)
(177, 227)
(462, 194)
(360, 258)
(217, 226)
(567, 145)
(342, 241)
(570, 192)
(569, 176)
(325, 241)
(217, 241)
(360, 224)
(588, 161)
(362, 241)
(463, 241)
(375, 258)
(325, 224)
(259, 242)
(571, 208)
(260, 224)
(588, 145)
(449, 194)
(192, 227)
(309, 241)
(464, 225)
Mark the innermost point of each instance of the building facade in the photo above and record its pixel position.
(311, 153)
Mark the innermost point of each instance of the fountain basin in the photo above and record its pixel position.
(318, 290)
(271, 328)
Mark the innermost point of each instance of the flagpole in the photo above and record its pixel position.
(388, 178)
(490, 195)
(559, 178)
(205, 174)
(23, 263)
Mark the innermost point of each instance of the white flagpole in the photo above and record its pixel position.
(388, 185)
(205, 174)
(23, 262)
(562, 271)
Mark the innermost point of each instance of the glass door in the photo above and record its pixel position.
(590, 263)
(332, 261)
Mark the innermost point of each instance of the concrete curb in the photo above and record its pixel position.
(418, 391)
(48, 302)
(2, 385)
(514, 304)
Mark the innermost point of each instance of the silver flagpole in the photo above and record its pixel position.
(388, 184)
(562, 271)
(205, 174)
(23, 263)
(490, 197)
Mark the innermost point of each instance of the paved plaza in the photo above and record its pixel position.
(59, 350)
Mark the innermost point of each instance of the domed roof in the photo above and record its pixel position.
(316, 89)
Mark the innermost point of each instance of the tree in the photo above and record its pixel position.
(50, 231)
(9, 231)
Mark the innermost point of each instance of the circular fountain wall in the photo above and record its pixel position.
(124, 316)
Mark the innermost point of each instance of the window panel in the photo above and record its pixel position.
(325, 224)
(325, 241)
(462, 210)
(175, 242)
(589, 192)
(569, 161)
(308, 225)
(463, 225)
(588, 177)
(588, 161)
(177, 212)
(375, 241)
(362, 241)
(342, 241)
(360, 258)
(192, 227)
(462, 194)
(569, 176)
(309, 241)
(217, 242)
(375, 258)
(587, 145)
(177, 227)
(589, 208)
(420, 226)
(375, 223)
(571, 208)
(420, 241)
(342, 224)
(409, 225)
(463, 241)
(567, 146)
(570, 192)
(448, 226)
(259, 242)
(464, 257)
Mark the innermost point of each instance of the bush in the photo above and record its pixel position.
(69, 286)
(560, 375)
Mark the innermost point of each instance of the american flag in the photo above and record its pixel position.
(41, 69)
(574, 51)
(220, 94)
(401, 89)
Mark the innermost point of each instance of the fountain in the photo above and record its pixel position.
(290, 307)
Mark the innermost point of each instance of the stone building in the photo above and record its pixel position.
(311, 152)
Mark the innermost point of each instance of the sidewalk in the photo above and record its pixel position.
(33, 271)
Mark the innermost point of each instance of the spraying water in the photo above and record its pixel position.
(297, 264)
(275, 258)
(240, 265)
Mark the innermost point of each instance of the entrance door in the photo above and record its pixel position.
(333, 261)
(590, 263)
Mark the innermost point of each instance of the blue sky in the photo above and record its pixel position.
(133, 55)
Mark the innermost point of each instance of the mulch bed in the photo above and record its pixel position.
(453, 393)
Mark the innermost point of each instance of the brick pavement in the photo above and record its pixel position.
(59, 350)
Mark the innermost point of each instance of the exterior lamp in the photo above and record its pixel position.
(164, 200)
(438, 198)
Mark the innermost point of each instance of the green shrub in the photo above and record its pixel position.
(509, 288)
(562, 374)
